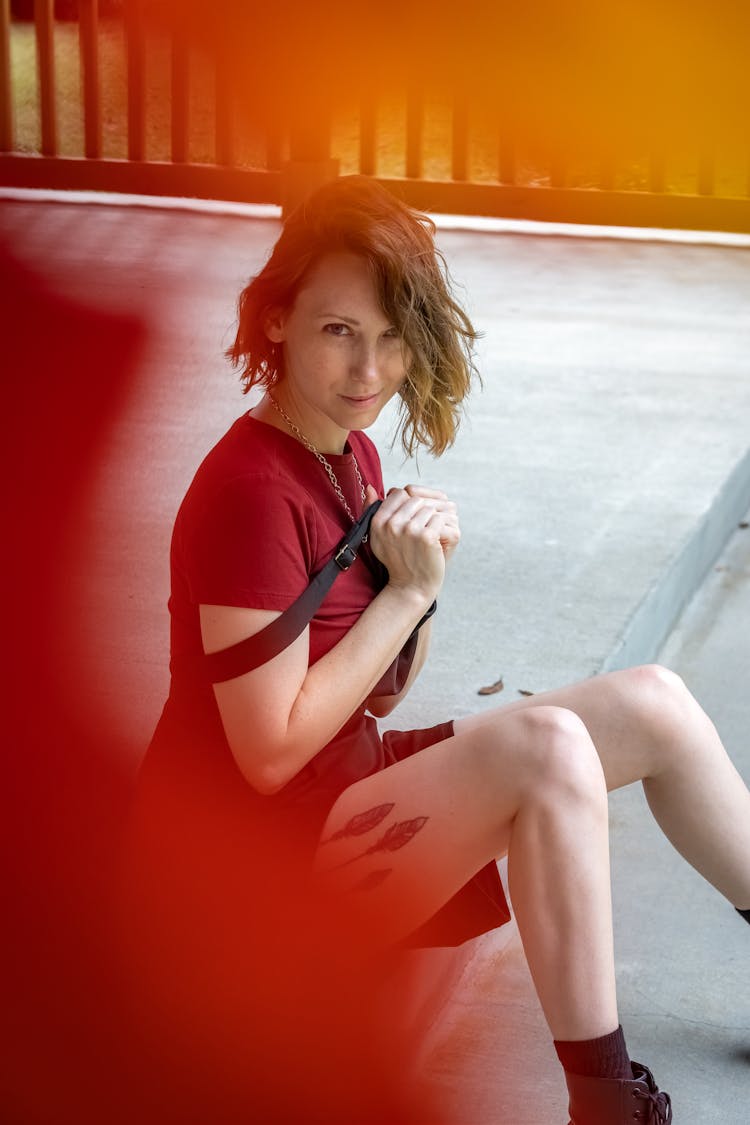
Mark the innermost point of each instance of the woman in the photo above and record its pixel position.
(352, 308)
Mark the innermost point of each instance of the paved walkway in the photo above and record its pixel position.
(599, 471)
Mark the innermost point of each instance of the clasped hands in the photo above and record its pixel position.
(413, 533)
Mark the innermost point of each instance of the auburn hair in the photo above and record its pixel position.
(414, 289)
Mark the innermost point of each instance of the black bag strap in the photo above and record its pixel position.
(274, 638)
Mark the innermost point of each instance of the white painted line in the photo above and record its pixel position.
(469, 223)
(156, 202)
(481, 223)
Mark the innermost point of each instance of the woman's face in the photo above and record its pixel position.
(343, 360)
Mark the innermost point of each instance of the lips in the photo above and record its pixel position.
(362, 400)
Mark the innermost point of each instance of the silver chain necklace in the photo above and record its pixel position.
(326, 464)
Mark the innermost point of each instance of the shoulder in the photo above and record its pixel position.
(251, 458)
(247, 530)
(247, 446)
(248, 479)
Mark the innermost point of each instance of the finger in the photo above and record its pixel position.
(408, 521)
(424, 524)
(392, 518)
(426, 493)
(451, 528)
(448, 514)
(394, 499)
(445, 506)
(449, 522)
(413, 521)
(428, 496)
(450, 533)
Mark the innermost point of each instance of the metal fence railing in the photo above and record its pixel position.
(103, 101)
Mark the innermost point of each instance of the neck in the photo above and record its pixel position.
(285, 415)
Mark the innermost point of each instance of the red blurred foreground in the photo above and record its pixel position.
(188, 977)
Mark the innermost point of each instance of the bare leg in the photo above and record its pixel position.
(528, 783)
(647, 726)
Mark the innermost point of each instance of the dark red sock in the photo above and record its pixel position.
(605, 1057)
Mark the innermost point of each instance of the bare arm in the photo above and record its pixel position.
(382, 705)
(278, 716)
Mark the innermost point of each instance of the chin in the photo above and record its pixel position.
(362, 419)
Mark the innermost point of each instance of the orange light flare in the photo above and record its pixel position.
(566, 79)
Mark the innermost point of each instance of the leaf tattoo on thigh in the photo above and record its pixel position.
(397, 836)
(372, 880)
(361, 823)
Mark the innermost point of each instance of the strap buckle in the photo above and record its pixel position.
(344, 557)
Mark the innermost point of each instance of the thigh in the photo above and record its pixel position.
(619, 709)
(398, 844)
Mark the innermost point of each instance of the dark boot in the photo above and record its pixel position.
(609, 1101)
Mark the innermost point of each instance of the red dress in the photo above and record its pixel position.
(258, 521)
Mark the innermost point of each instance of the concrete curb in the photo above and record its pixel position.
(656, 615)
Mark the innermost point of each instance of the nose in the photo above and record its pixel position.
(365, 367)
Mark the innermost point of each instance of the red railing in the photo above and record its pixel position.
(289, 156)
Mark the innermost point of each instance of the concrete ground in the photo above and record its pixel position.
(599, 472)
(682, 954)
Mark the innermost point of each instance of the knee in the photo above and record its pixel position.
(657, 680)
(555, 758)
(565, 760)
(660, 697)
(668, 720)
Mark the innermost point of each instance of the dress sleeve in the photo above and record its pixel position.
(251, 545)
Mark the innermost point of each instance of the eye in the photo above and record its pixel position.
(392, 334)
(337, 329)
